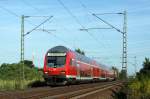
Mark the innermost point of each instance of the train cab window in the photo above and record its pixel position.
(56, 61)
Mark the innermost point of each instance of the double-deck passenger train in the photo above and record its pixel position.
(64, 66)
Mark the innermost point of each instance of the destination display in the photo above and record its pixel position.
(56, 54)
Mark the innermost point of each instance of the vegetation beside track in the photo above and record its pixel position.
(139, 89)
(11, 76)
(139, 86)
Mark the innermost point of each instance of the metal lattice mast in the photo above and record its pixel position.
(22, 42)
(135, 63)
(22, 51)
(124, 53)
(22, 39)
(124, 37)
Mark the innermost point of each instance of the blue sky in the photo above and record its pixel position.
(107, 47)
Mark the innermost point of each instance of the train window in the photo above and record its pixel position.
(71, 62)
(56, 61)
(78, 64)
(74, 62)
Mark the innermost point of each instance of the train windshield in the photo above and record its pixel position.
(56, 60)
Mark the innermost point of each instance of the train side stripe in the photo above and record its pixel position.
(79, 78)
(71, 76)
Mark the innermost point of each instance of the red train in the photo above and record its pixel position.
(64, 66)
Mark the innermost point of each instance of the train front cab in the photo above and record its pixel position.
(56, 66)
(54, 73)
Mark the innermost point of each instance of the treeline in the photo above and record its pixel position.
(145, 71)
(15, 71)
(140, 85)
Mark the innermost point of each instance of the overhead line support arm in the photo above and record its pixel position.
(108, 23)
(38, 26)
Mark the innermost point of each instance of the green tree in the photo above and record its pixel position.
(29, 63)
(140, 86)
(14, 72)
(78, 50)
(145, 71)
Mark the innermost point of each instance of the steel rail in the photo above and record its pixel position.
(93, 92)
(83, 92)
(59, 92)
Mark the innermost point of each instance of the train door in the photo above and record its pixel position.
(92, 72)
(74, 66)
(78, 71)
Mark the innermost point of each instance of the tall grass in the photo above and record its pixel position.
(11, 77)
(16, 84)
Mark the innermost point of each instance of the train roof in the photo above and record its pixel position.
(60, 49)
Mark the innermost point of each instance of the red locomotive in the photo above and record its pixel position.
(64, 66)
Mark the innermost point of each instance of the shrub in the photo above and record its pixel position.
(11, 76)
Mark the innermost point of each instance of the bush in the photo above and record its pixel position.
(14, 72)
(140, 88)
(11, 76)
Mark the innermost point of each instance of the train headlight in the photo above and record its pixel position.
(46, 72)
(63, 72)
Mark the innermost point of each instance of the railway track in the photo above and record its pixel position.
(83, 92)
(63, 92)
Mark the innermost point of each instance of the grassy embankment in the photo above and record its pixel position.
(11, 76)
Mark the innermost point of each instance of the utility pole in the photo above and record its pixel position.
(24, 34)
(124, 37)
(135, 64)
(124, 50)
(33, 59)
(22, 41)
(22, 50)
